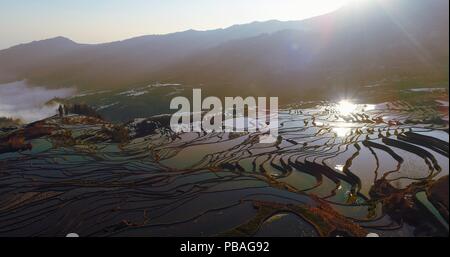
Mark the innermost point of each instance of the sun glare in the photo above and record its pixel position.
(345, 107)
(309, 8)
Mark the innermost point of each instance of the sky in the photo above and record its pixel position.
(98, 21)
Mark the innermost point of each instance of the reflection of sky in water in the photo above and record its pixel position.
(342, 131)
(20, 101)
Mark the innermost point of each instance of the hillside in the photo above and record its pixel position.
(357, 44)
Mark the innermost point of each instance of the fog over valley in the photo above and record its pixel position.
(20, 100)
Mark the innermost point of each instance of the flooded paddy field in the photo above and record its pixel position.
(338, 168)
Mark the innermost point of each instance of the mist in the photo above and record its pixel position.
(19, 100)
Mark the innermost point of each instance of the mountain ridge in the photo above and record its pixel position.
(393, 39)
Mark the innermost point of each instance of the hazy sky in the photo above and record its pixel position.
(93, 21)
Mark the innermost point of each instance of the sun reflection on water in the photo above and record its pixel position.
(345, 127)
(339, 167)
(342, 131)
(345, 107)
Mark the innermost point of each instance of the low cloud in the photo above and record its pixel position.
(19, 100)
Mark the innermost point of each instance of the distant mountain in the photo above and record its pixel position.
(378, 39)
(59, 61)
(23, 60)
(355, 45)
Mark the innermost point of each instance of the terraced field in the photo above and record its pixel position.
(337, 169)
